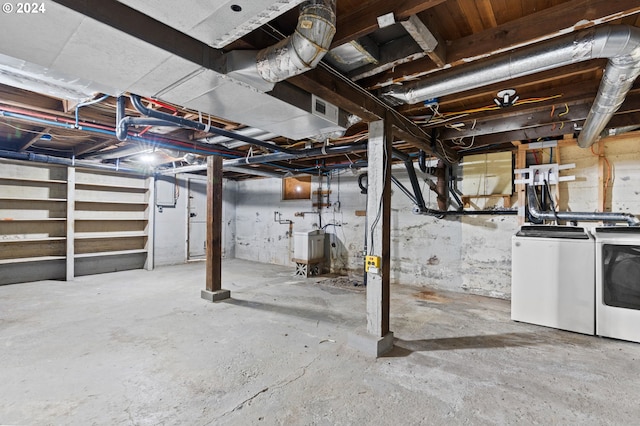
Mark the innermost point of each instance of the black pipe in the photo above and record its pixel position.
(122, 128)
(123, 122)
(415, 185)
(473, 212)
(404, 190)
(183, 122)
(305, 153)
(534, 210)
(422, 161)
(417, 198)
(453, 193)
(41, 158)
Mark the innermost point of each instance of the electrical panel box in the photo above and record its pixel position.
(372, 264)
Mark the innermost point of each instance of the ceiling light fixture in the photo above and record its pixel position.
(506, 98)
(147, 158)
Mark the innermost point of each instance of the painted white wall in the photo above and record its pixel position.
(424, 250)
(471, 254)
(171, 222)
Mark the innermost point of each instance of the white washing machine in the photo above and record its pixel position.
(618, 282)
(552, 278)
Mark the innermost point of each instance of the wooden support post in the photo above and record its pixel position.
(214, 291)
(602, 178)
(378, 339)
(71, 222)
(521, 163)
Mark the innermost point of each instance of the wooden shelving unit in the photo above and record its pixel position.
(60, 222)
(112, 218)
(33, 205)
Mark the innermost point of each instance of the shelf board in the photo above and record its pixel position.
(31, 240)
(133, 203)
(30, 259)
(45, 219)
(32, 199)
(18, 179)
(111, 219)
(109, 253)
(106, 185)
(102, 235)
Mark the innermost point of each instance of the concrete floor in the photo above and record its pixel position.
(141, 347)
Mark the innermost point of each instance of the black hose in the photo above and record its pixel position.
(363, 189)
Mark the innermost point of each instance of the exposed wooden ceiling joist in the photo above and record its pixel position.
(543, 25)
(364, 20)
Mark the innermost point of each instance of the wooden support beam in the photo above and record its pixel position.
(34, 139)
(428, 40)
(90, 147)
(618, 120)
(524, 120)
(146, 28)
(602, 176)
(521, 163)
(396, 52)
(356, 101)
(214, 291)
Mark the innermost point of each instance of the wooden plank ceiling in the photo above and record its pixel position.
(552, 103)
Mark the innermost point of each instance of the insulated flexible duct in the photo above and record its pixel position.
(619, 43)
(305, 48)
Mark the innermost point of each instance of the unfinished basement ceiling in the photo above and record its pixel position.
(378, 46)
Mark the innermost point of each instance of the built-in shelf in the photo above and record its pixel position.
(44, 219)
(110, 186)
(32, 240)
(133, 203)
(111, 219)
(101, 235)
(19, 179)
(33, 199)
(78, 214)
(109, 253)
(30, 259)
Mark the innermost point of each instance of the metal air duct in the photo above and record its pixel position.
(619, 43)
(305, 48)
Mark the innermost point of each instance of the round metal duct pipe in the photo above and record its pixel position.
(619, 43)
